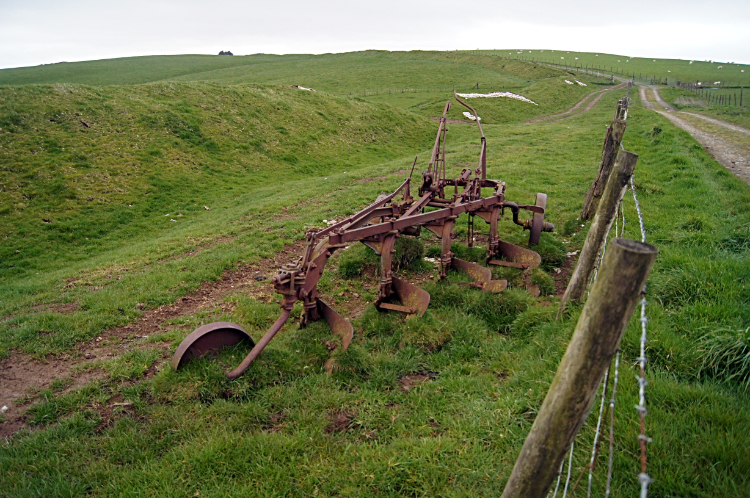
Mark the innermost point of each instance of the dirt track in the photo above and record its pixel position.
(733, 154)
(21, 376)
(576, 109)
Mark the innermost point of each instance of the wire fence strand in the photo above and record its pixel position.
(612, 426)
(643, 478)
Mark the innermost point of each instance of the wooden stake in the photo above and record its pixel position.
(609, 153)
(596, 338)
(597, 236)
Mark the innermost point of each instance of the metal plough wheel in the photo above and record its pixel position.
(537, 223)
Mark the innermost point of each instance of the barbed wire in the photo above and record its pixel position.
(612, 426)
(595, 449)
(570, 467)
(643, 478)
(559, 477)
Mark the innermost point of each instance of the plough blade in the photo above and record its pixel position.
(411, 296)
(496, 286)
(516, 257)
(339, 325)
(481, 275)
(208, 339)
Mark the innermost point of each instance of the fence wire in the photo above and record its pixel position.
(643, 478)
(612, 426)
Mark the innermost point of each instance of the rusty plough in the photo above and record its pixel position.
(377, 226)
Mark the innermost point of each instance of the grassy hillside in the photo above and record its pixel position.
(85, 168)
(420, 81)
(729, 74)
(124, 156)
(123, 71)
(347, 72)
(432, 406)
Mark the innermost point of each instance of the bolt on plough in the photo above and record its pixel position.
(377, 226)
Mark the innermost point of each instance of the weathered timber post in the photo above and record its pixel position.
(610, 150)
(596, 338)
(597, 236)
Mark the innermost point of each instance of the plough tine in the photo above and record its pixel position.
(208, 339)
(411, 296)
(481, 275)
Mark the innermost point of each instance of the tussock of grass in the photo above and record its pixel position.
(725, 356)
(496, 310)
(358, 259)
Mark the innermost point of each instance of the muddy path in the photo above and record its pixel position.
(590, 100)
(730, 147)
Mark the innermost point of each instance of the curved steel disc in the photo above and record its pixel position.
(537, 222)
(208, 338)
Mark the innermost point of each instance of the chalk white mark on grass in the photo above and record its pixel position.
(509, 95)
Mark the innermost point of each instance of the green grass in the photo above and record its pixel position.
(730, 74)
(477, 365)
(153, 154)
(726, 356)
(419, 81)
(124, 71)
(341, 73)
(686, 100)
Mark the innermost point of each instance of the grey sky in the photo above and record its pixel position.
(42, 31)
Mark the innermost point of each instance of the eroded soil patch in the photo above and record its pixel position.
(22, 377)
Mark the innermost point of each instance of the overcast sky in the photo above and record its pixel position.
(36, 32)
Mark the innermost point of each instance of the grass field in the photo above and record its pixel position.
(419, 81)
(728, 73)
(436, 406)
(685, 100)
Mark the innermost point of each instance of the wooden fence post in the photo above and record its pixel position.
(612, 142)
(597, 236)
(596, 338)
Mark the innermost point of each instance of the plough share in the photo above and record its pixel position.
(377, 226)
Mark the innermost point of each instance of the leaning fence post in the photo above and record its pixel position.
(611, 147)
(597, 236)
(596, 338)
